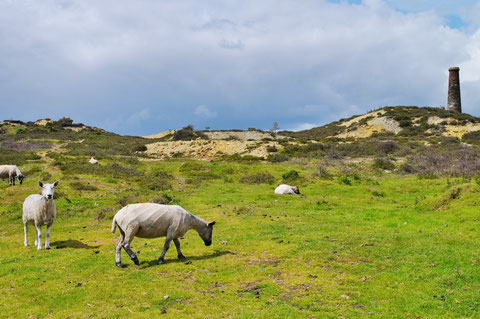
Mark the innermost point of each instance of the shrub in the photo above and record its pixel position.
(290, 175)
(272, 149)
(105, 213)
(158, 184)
(163, 199)
(239, 158)
(322, 172)
(472, 137)
(378, 194)
(277, 158)
(258, 178)
(383, 163)
(344, 179)
(407, 168)
(187, 134)
(139, 148)
(79, 186)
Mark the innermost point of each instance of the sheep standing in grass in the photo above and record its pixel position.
(287, 189)
(11, 172)
(151, 220)
(40, 210)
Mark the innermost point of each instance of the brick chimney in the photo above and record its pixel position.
(454, 100)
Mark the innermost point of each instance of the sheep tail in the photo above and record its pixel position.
(114, 225)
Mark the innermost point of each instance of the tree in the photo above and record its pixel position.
(274, 129)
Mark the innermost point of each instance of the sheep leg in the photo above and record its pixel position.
(25, 230)
(132, 255)
(165, 248)
(118, 249)
(126, 245)
(47, 237)
(179, 252)
(39, 237)
(36, 236)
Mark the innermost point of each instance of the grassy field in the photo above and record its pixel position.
(361, 242)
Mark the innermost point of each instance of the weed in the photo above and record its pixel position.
(344, 179)
(258, 178)
(383, 163)
(290, 175)
(79, 186)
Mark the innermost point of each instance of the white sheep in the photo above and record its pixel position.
(11, 172)
(287, 189)
(92, 160)
(40, 210)
(151, 220)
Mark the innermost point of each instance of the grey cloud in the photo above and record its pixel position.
(251, 62)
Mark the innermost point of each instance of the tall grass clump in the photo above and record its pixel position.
(257, 178)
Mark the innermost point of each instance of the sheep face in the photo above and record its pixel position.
(20, 179)
(206, 233)
(47, 189)
(295, 189)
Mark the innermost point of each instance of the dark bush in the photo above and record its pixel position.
(322, 172)
(383, 163)
(386, 147)
(344, 179)
(290, 175)
(139, 148)
(472, 137)
(258, 178)
(272, 149)
(185, 134)
(163, 199)
(158, 184)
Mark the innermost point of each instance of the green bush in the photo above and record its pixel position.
(277, 158)
(383, 163)
(344, 179)
(290, 175)
(258, 178)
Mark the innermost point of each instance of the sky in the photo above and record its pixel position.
(145, 66)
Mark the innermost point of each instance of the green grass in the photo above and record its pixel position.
(382, 246)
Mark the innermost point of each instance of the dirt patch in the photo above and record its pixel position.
(375, 125)
(208, 149)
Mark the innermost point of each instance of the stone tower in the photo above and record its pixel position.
(454, 100)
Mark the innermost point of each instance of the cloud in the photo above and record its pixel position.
(251, 62)
(302, 126)
(204, 112)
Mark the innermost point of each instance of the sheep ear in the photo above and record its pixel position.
(55, 184)
(40, 183)
(211, 224)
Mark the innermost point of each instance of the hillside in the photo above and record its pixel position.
(399, 132)
(401, 121)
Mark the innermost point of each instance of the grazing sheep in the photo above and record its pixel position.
(92, 160)
(11, 172)
(287, 189)
(40, 210)
(151, 220)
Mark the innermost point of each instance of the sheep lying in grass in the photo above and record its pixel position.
(151, 220)
(11, 172)
(287, 189)
(40, 210)
(92, 160)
